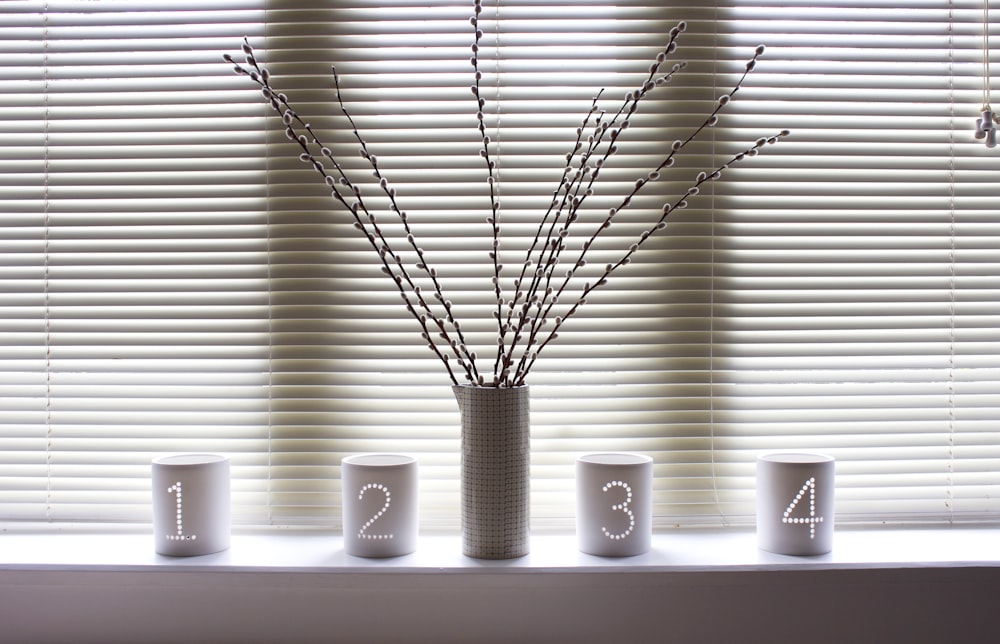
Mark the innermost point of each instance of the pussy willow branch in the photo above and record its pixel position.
(574, 188)
(523, 327)
(466, 358)
(491, 181)
(422, 312)
(680, 203)
(541, 295)
(505, 356)
(548, 301)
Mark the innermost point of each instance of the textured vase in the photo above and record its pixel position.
(495, 471)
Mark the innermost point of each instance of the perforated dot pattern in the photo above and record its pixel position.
(176, 489)
(495, 471)
(812, 519)
(363, 532)
(622, 507)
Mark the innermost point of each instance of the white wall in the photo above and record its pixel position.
(881, 585)
(899, 604)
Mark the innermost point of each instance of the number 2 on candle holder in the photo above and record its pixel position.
(385, 491)
(812, 519)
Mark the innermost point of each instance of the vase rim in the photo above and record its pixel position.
(468, 386)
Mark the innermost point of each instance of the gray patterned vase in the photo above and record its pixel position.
(495, 476)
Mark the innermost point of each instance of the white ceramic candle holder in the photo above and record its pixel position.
(614, 504)
(379, 504)
(795, 503)
(191, 504)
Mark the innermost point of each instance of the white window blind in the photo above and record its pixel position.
(133, 254)
(174, 279)
(857, 268)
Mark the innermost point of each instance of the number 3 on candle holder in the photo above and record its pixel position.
(623, 506)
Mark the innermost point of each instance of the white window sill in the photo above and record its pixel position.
(712, 586)
(322, 551)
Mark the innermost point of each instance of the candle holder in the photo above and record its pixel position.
(614, 508)
(191, 504)
(795, 492)
(379, 504)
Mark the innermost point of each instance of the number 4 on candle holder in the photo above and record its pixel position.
(812, 519)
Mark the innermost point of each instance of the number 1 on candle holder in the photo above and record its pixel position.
(179, 535)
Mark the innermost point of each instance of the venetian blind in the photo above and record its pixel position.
(857, 270)
(133, 254)
(177, 280)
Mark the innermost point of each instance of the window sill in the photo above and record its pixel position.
(301, 586)
(281, 550)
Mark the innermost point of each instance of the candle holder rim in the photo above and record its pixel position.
(795, 457)
(190, 460)
(618, 458)
(371, 459)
